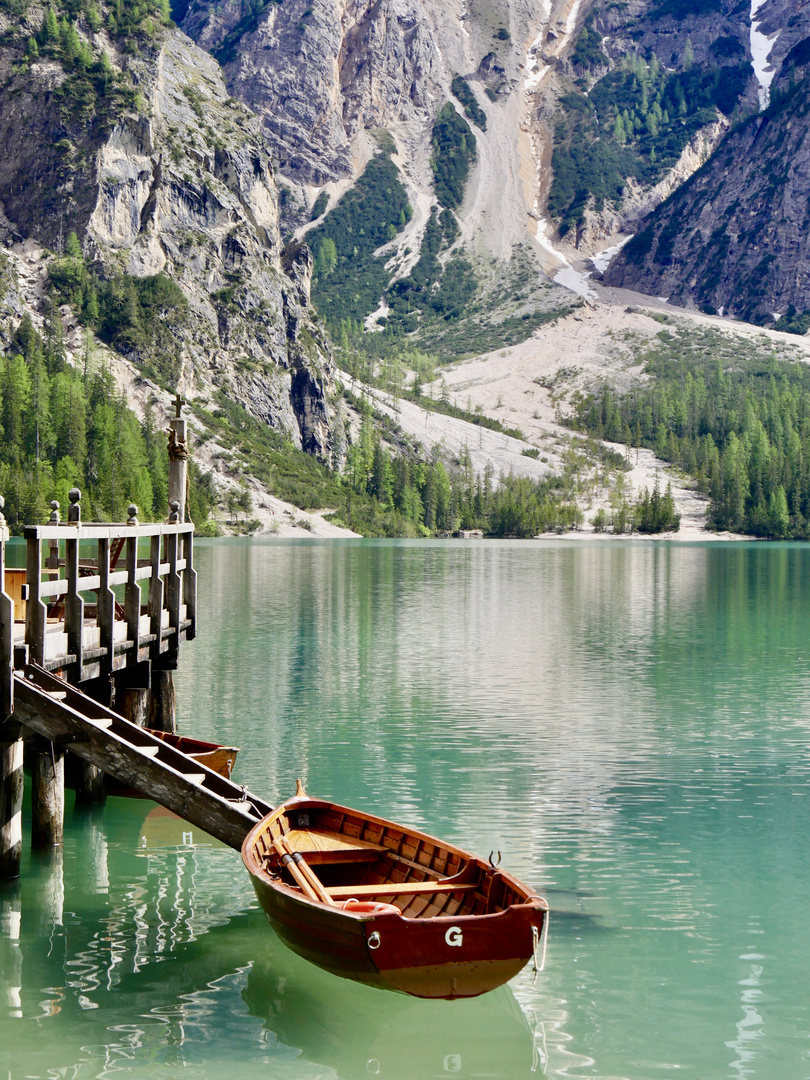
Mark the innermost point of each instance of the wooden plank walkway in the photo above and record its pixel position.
(69, 718)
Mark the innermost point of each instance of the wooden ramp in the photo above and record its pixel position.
(69, 718)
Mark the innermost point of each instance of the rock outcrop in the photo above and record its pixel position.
(735, 238)
(170, 175)
(317, 71)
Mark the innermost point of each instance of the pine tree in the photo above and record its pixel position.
(72, 246)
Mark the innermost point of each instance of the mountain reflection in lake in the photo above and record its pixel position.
(627, 723)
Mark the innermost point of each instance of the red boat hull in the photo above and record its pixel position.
(412, 957)
(444, 956)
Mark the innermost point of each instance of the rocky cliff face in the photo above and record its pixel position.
(734, 238)
(597, 112)
(318, 71)
(165, 173)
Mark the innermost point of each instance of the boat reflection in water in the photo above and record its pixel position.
(359, 1032)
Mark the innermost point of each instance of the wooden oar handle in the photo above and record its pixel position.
(294, 869)
(308, 872)
(301, 871)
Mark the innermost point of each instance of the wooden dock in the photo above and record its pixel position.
(90, 633)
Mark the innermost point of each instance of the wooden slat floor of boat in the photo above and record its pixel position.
(344, 892)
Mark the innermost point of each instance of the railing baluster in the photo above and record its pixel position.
(106, 607)
(155, 596)
(190, 585)
(132, 600)
(173, 595)
(74, 605)
(36, 613)
(6, 630)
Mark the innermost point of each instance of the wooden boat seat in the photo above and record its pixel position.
(322, 848)
(345, 892)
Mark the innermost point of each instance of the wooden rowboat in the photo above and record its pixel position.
(389, 906)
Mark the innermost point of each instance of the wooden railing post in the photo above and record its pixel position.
(90, 787)
(6, 629)
(132, 599)
(155, 603)
(178, 460)
(173, 597)
(74, 607)
(190, 584)
(36, 613)
(11, 743)
(106, 607)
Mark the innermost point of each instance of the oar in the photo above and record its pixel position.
(294, 869)
(303, 866)
(302, 873)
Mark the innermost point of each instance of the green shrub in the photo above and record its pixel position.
(472, 109)
(319, 206)
(453, 152)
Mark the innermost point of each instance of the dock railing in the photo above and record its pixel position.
(74, 621)
(6, 630)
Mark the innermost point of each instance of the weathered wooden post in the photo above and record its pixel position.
(6, 629)
(48, 764)
(132, 685)
(11, 743)
(36, 611)
(178, 459)
(163, 706)
(47, 795)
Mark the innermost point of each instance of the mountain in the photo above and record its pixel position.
(129, 160)
(584, 117)
(394, 185)
(735, 237)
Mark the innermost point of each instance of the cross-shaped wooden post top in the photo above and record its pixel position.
(178, 404)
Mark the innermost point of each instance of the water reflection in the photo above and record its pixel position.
(188, 1014)
(157, 971)
(360, 1032)
(626, 723)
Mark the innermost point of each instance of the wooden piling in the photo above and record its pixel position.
(6, 629)
(47, 796)
(132, 693)
(90, 787)
(11, 798)
(163, 704)
(11, 744)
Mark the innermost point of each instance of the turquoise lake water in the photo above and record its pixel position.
(628, 723)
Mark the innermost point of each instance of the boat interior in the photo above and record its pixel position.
(348, 858)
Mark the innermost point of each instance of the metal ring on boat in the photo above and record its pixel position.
(374, 940)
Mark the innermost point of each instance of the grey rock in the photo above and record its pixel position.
(736, 236)
(184, 188)
(316, 71)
